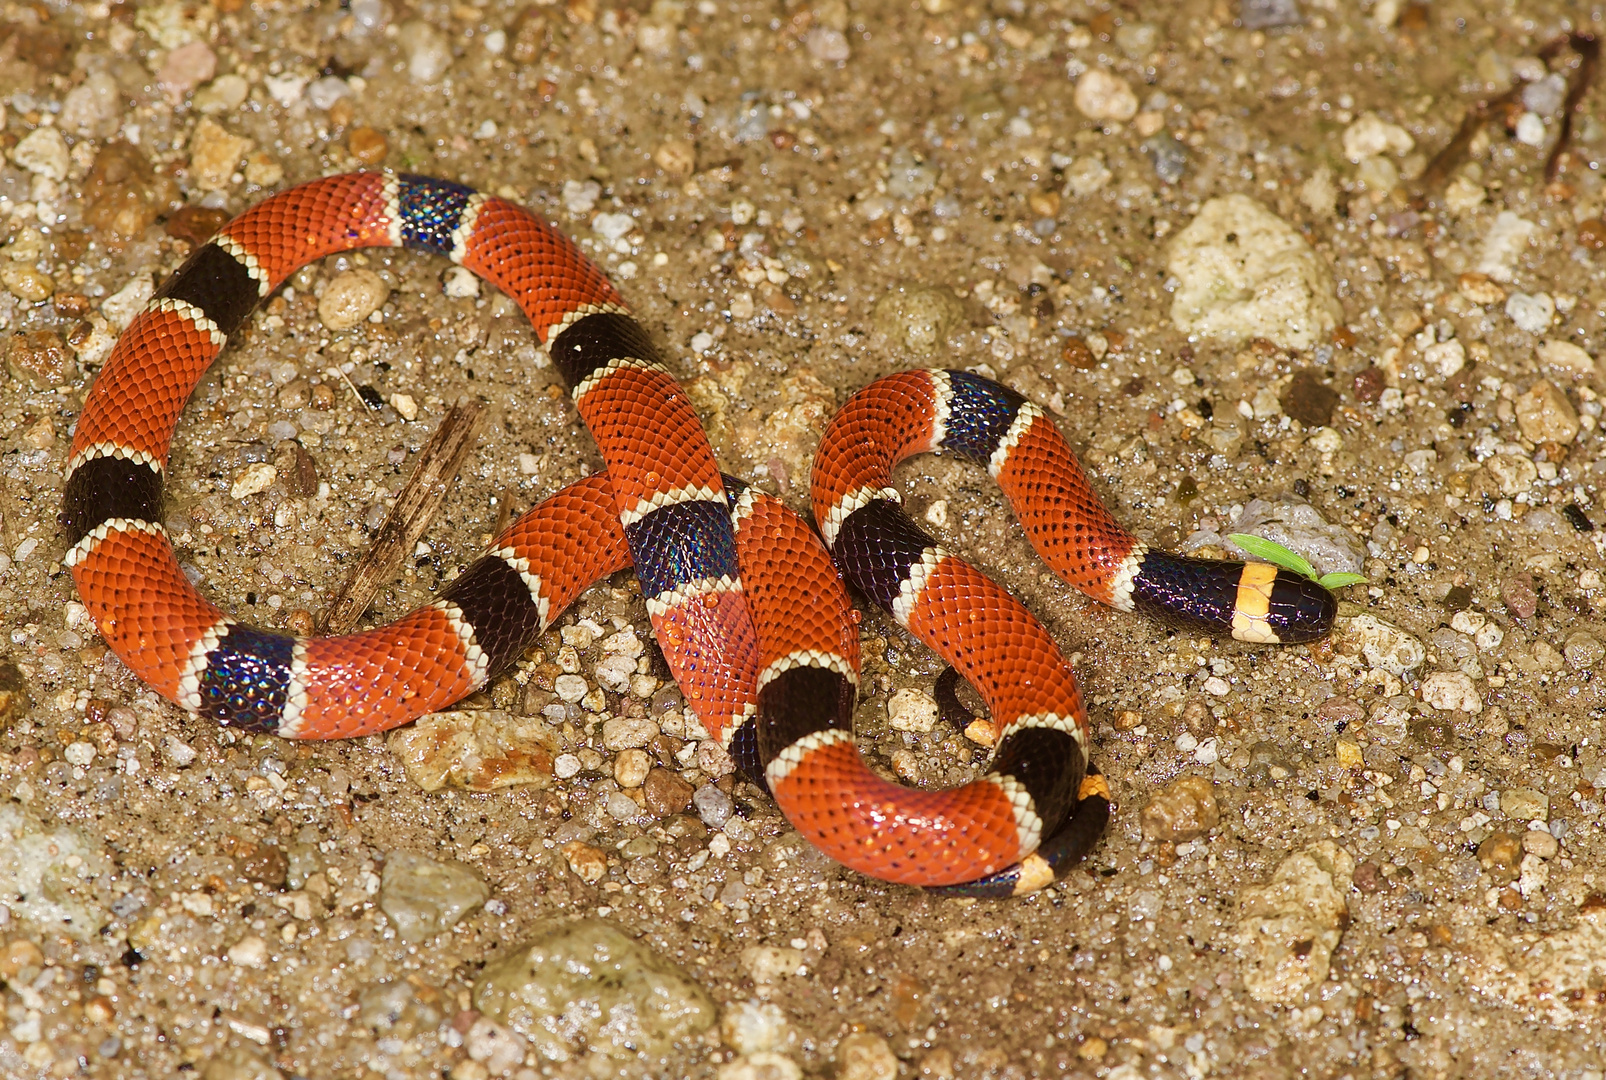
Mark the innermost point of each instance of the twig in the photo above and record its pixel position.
(1447, 160)
(416, 506)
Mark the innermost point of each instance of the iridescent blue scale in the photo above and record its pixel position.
(247, 679)
(430, 210)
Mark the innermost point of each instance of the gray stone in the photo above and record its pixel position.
(423, 897)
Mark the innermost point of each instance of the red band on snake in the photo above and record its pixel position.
(745, 601)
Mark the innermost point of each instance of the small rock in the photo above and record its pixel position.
(1182, 810)
(423, 897)
(254, 479)
(1499, 854)
(1307, 400)
(713, 806)
(1508, 238)
(90, 109)
(121, 306)
(1540, 844)
(666, 793)
(753, 1027)
(1245, 273)
(1565, 357)
(1462, 196)
(630, 769)
(367, 145)
(1295, 524)
(1452, 690)
(1268, 14)
(1525, 804)
(827, 45)
(185, 68)
(628, 732)
(250, 951)
(571, 688)
(589, 864)
(43, 152)
(768, 964)
(123, 193)
(1372, 135)
(498, 1048)
(917, 316)
(911, 710)
(222, 95)
(1382, 645)
(39, 358)
(1445, 358)
(1289, 926)
(195, 224)
(476, 750)
(48, 873)
(583, 985)
(1532, 312)
(428, 52)
(761, 1066)
(214, 153)
(1520, 595)
(865, 1057)
(1545, 415)
(1479, 289)
(1102, 96)
(1583, 651)
(263, 170)
(1514, 473)
(26, 283)
(676, 157)
(351, 297)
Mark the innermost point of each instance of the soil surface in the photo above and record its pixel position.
(1378, 855)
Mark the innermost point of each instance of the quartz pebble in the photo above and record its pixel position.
(755, 1027)
(351, 298)
(1102, 96)
(423, 897)
(1507, 239)
(476, 750)
(1289, 926)
(1452, 690)
(1532, 312)
(583, 985)
(43, 152)
(214, 154)
(713, 806)
(1545, 415)
(911, 710)
(1245, 273)
(1182, 810)
(865, 1056)
(1371, 135)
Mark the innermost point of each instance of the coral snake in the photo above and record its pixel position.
(746, 602)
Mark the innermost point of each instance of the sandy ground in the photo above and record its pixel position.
(1377, 856)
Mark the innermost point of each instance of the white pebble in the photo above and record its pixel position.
(461, 284)
(570, 688)
(911, 710)
(1530, 129)
(1532, 312)
(254, 479)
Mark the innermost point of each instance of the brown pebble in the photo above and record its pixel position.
(300, 622)
(1500, 854)
(39, 357)
(587, 862)
(1344, 337)
(13, 693)
(1341, 710)
(1369, 383)
(1182, 810)
(70, 305)
(1077, 354)
(323, 397)
(1592, 234)
(298, 469)
(1480, 288)
(341, 114)
(1520, 596)
(1368, 877)
(1308, 400)
(123, 194)
(197, 224)
(264, 863)
(1510, 900)
(19, 955)
(1196, 717)
(367, 145)
(666, 793)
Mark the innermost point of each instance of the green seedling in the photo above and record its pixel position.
(1271, 551)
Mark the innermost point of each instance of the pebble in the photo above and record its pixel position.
(911, 710)
(1183, 809)
(1371, 135)
(38, 358)
(91, 109)
(756, 1027)
(367, 145)
(476, 750)
(43, 152)
(677, 157)
(1525, 804)
(1479, 289)
(214, 153)
(584, 985)
(1445, 358)
(571, 688)
(1532, 312)
(917, 316)
(427, 51)
(761, 1066)
(1583, 651)
(621, 807)
(253, 480)
(589, 864)
(865, 1056)
(26, 283)
(1289, 927)
(768, 964)
(48, 872)
(223, 94)
(351, 297)
(1462, 196)
(423, 897)
(1268, 14)
(1508, 237)
(121, 306)
(1520, 595)
(1540, 844)
(1565, 357)
(500, 1049)
(666, 793)
(1308, 400)
(827, 45)
(630, 768)
(713, 806)
(628, 732)
(1381, 644)
(1545, 415)
(185, 68)
(1453, 691)
(1295, 524)
(1245, 273)
(1499, 854)
(250, 951)
(1514, 473)
(1102, 96)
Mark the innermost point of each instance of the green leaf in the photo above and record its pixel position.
(1274, 553)
(1340, 578)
